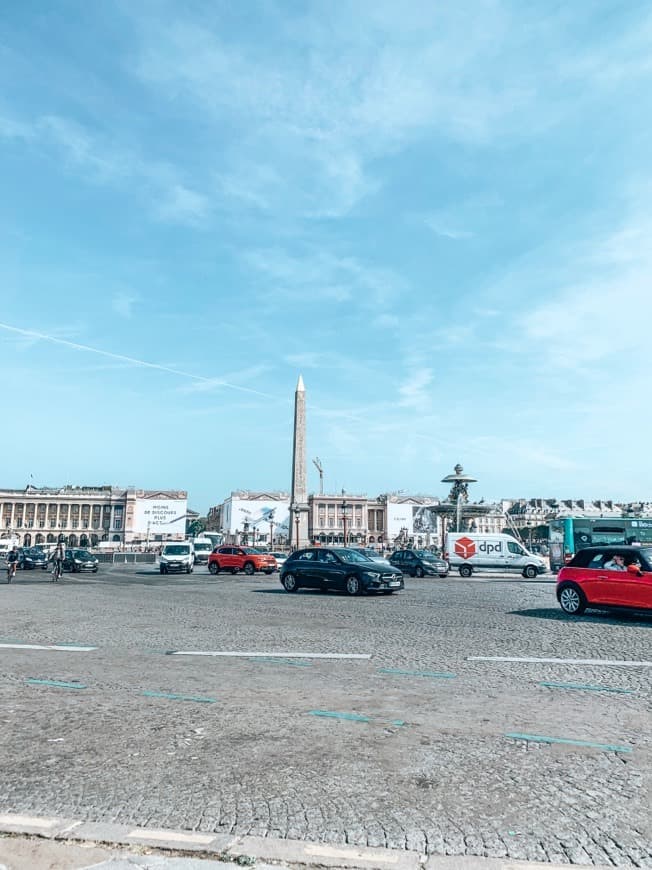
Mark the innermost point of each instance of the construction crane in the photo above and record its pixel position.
(317, 463)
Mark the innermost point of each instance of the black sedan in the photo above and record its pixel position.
(32, 557)
(419, 562)
(338, 568)
(80, 560)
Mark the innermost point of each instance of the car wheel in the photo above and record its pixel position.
(466, 570)
(214, 568)
(572, 600)
(530, 572)
(353, 585)
(418, 571)
(290, 583)
(249, 569)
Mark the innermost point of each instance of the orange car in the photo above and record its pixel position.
(236, 559)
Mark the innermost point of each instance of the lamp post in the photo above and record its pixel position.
(344, 507)
(253, 535)
(270, 520)
(245, 533)
(296, 510)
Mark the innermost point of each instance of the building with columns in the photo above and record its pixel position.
(87, 515)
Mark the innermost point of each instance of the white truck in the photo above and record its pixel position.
(203, 549)
(469, 552)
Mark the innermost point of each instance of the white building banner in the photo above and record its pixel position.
(160, 516)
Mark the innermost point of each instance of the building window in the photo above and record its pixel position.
(331, 522)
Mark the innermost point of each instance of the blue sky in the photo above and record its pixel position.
(438, 213)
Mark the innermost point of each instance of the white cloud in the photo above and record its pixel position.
(105, 162)
(123, 304)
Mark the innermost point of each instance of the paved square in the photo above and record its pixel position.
(377, 721)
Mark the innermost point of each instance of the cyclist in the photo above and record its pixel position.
(12, 563)
(57, 558)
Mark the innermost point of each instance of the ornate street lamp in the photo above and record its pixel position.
(270, 520)
(296, 510)
(344, 507)
(245, 533)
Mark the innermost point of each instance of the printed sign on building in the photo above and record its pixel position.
(160, 516)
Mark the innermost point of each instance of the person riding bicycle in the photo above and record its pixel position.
(12, 563)
(57, 558)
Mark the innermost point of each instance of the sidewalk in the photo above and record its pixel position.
(36, 843)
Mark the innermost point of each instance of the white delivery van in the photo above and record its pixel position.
(469, 552)
(203, 549)
(177, 557)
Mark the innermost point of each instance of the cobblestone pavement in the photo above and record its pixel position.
(421, 763)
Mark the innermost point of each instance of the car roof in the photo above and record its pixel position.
(620, 548)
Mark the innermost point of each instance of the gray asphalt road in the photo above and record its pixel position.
(402, 745)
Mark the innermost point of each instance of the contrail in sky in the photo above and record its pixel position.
(128, 359)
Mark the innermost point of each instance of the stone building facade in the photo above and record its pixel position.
(84, 516)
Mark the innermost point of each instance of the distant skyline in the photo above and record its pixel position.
(437, 213)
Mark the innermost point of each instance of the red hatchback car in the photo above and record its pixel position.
(606, 577)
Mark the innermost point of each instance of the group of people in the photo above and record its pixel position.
(57, 557)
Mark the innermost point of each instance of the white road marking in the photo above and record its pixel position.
(47, 647)
(276, 655)
(531, 660)
(28, 821)
(171, 836)
(379, 858)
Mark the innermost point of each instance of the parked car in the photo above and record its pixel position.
(417, 563)
(236, 559)
(591, 580)
(32, 557)
(177, 557)
(338, 568)
(79, 560)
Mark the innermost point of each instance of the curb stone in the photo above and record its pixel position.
(183, 848)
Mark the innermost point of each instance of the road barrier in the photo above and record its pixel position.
(126, 558)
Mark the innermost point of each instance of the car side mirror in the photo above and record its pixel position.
(634, 569)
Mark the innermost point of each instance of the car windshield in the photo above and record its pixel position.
(252, 551)
(351, 556)
(425, 554)
(203, 547)
(82, 554)
(647, 554)
(177, 550)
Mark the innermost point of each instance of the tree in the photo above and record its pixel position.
(196, 527)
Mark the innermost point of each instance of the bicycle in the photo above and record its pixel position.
(57, 570)
(11, 571)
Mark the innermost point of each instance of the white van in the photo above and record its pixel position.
(203, 549)
(468, 552)
(177, 557)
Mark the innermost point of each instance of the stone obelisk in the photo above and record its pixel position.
(299, 496)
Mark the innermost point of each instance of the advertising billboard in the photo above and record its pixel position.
(160, 516)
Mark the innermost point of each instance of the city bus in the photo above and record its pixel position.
(570, 534)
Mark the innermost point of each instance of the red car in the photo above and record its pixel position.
(236, 559)
(606, 577)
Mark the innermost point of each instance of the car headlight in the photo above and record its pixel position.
(371, 575)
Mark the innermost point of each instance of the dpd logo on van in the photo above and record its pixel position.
(465, 548)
